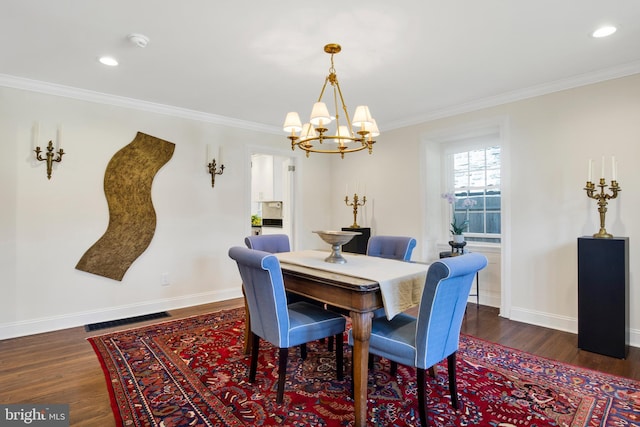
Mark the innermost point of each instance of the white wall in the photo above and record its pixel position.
(550, 139)
(46, 226)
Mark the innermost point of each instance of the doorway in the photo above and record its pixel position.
(272, 183)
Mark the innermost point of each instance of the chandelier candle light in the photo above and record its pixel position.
(345, 140)
(602, 198)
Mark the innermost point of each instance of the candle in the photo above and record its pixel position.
(346, 189)
(36, 134)
(590, 175)
(207, 153)
(220, 155)
(59, 137)
(613, 168)
(602, 176)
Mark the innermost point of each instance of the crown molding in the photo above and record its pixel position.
(521, 94)
(136, 104)
(505, 98)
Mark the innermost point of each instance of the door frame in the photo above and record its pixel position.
(289, 183)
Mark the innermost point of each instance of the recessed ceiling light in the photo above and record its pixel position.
(108, 60)
(604, 31)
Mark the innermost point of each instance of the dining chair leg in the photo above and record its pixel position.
(432, 371)
(453, 389)
(339, 356)
(282, 373)
(422, 397)
(255, 345)
(303, 351)
(393, 368)
(329, 344)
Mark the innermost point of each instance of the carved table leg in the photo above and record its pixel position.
(361, 330)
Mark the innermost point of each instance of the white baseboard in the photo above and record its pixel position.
(54, 323)
(562, 323)
(547, 320)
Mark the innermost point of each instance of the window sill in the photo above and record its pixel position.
(473, 247)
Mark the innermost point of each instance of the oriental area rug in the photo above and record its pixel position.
(193, 372)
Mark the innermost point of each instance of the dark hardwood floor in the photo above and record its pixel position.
(484, 323)
(61, 367)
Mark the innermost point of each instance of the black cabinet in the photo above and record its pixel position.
(357, 245)
(603, 295)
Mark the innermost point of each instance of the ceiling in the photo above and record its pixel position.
(253, 61)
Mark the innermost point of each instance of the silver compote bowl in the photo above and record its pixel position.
(336, 239)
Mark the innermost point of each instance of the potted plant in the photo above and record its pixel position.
(457, 228)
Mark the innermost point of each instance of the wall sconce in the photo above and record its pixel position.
(49, 157)
(212, 166)
(213, 171)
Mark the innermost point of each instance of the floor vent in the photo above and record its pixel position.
(111, 323)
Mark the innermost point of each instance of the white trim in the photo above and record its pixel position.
(292, 190)
(520, 94)
(54, 323)
(431, 140)
(482, 247)
(547, 320)
(136, 104)
(492, 101)
(505, 212)
(562, 323)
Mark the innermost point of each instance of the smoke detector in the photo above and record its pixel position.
(139, 40)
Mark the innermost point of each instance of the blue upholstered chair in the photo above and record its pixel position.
(424, 341)
(276, 243)
(272, 319)
(273, 243)
(393, 247)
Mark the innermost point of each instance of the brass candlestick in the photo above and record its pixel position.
(602, 199)
(49, 157)
(355, 205)
(214, 172)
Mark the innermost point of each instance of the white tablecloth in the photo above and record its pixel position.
(401, 283)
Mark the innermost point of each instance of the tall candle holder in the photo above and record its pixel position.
(355, 205)
(49, 157)
(602, 199)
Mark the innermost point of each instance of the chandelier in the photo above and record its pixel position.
(314, 135)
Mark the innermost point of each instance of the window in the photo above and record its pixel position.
(475, 175)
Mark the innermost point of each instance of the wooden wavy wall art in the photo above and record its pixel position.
(132, 218)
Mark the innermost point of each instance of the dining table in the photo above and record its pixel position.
(358, 287)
